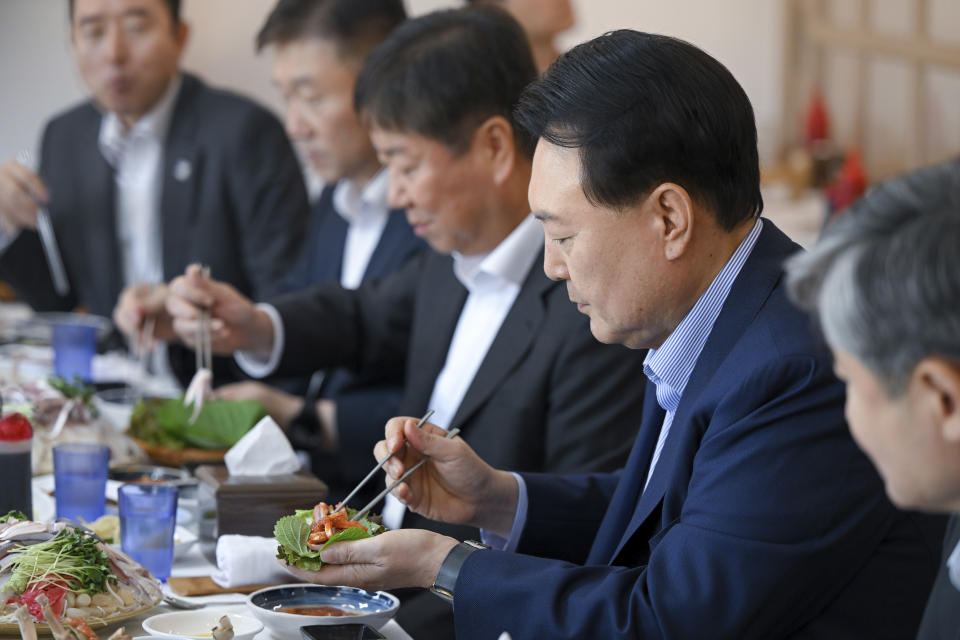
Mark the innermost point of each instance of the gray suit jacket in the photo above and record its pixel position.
(232, 198)
(941, 619)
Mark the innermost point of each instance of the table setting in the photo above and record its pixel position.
(151, 528)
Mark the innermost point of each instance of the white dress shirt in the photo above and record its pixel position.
(492, 281)
(953, 566)
(137, 158)
(366, 213)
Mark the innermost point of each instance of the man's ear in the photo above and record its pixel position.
(181, 32)
(936, 389)
(495, 143)
(672, 210)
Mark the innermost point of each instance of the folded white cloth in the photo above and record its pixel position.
(246, 560)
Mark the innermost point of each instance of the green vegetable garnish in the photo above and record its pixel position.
(16, 515)
(220, 425)
(78, 389)
(291, 533)
(71, 557)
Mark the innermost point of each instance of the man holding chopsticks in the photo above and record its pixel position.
(155, 171)
(481, 335)
(745, 509)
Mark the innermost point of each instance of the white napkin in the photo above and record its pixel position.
(246, 560)
(263, 451)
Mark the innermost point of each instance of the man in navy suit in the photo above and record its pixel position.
(884, 282)
(354, 236)
(745, 510)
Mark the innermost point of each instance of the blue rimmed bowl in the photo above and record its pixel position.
(372, 608)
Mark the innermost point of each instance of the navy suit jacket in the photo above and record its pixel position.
(365, 399)
(762, 519)
(241, 207)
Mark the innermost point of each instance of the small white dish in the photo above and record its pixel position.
(198, 624)
(183, 539)
(372, 608)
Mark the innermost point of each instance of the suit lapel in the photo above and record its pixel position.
(182, 168)
(329, 240)
(434, 325)
(389, 245)
(625, 498)
(100, 191)
(511, 343)
(749, 292)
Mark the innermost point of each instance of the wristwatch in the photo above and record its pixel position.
(450, 569)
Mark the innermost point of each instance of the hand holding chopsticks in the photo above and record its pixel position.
(200, 385)
(393, 485)
(366, 478)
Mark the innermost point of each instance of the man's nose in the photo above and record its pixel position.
(553, 263)
(397, 194)
(116, 45)
(296, 125)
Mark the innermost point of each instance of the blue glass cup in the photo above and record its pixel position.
(74, 345)
(80, 480)
(148, 516)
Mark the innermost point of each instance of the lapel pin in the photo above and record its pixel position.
(182, 170)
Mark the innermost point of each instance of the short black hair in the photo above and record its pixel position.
(172, 5)
(355, 27)
(644, 109)
(444, 73)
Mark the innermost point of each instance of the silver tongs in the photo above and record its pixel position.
(201, 384)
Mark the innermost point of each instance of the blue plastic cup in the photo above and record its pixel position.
(74, 345)
(80, 479)
(148, 516)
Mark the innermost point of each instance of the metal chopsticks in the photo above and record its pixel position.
(48, 240)
(366, 479)
(393, 485)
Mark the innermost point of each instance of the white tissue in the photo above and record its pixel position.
(247, 560)
(264, 451)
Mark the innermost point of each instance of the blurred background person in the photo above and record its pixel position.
(318, 48)
(884, 281)
(155, 171)
(543, 21)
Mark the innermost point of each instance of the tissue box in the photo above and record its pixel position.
(251, 505)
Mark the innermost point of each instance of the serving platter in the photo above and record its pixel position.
(180, 457)
(13, 629)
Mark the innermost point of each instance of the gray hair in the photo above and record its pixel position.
(884, 279)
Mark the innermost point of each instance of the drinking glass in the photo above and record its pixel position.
(148, 516)
(80, 479)
(74, 345)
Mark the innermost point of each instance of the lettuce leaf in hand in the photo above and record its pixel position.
(291, 533)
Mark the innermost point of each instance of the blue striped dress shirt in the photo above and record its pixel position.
(670, 366)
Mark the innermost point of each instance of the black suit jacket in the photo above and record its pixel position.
(232, 198)
(366, 399)
(547, 397)
(941, 620)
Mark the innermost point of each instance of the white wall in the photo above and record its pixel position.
(37, 76)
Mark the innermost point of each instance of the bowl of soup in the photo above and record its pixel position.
(286, 608)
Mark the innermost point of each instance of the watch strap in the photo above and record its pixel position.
(450, 569)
